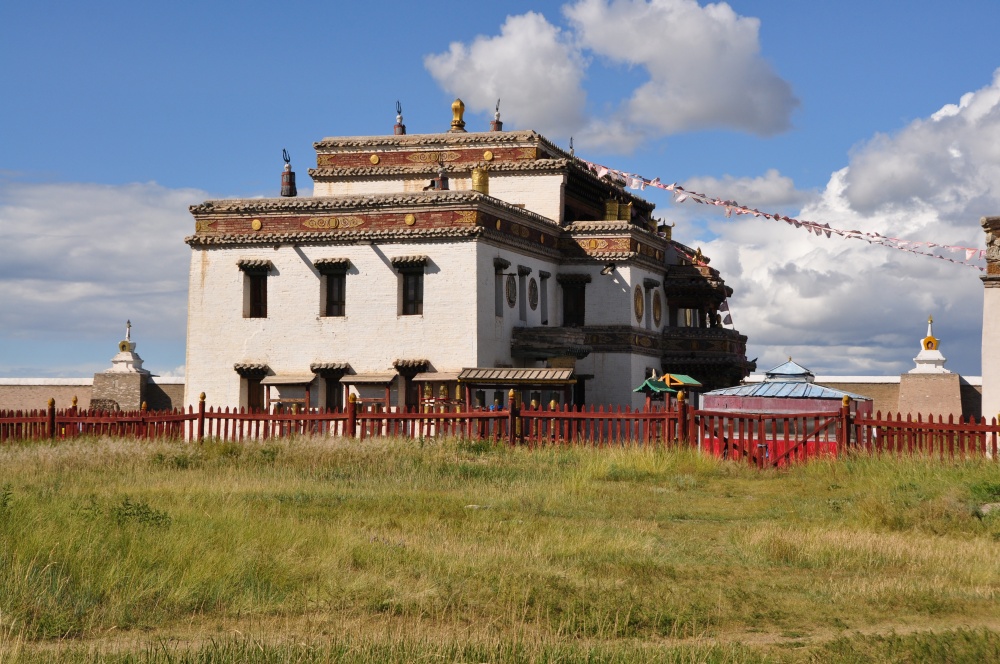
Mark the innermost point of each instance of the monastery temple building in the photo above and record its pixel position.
(456, 264)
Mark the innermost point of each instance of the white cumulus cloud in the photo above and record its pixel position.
(704, 64)
(844, 306)
(87, 257)
(702, 69)
(531, 66)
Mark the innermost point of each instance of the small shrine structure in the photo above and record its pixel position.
(929, 388)
(787, 388)
(123, 386)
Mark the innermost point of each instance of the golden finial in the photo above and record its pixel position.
(457, 110)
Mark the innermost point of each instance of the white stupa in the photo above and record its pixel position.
(929, 360)
(127, 360)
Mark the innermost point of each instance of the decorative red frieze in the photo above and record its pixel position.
(266, 224)
(464, 155)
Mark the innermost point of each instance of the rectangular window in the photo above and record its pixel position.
(255, 394)
(257, 287)
(522, 293)
(336, 286)
(255, 272)
(498, 295)
(413, 293)
(543, 296)
(334, 394)
(574, 304)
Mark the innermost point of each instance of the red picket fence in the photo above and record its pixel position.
(761, 439)
(768, 439)
(942, 439)
(23, 424)
(596, 426)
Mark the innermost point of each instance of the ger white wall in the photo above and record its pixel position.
(370, 337)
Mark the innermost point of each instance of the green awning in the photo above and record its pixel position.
(655, 386)
(680, 380)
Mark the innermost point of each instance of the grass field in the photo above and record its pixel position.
(313, 550)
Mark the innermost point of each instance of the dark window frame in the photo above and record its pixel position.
(412, 284)
(335, 305)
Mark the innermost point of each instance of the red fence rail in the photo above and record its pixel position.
(761, 439)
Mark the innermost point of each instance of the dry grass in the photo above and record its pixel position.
(332, 550)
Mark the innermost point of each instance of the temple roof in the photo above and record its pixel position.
(789, 371)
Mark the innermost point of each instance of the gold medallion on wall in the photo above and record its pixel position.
(511, 291)
(332, 223)
(657, 308)
(533, 294)
(639, 304)
(432, 157)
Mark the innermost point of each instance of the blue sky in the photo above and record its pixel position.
(117, 116)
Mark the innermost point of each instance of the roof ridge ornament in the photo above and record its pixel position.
(496, 125)
(457, 111)
(288, 189)
(399, 129)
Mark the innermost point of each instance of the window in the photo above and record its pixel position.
(258, 295)
(255, 274)
(411, 271)
(255, 394)
(336, 284)
(522, 278)
(413, 293)
(333, 296)
(499, 265)
(334, 393)
(574, 298)
(652, 303)
(543, 278)
(251, 375)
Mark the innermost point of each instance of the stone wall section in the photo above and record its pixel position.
(163, 393)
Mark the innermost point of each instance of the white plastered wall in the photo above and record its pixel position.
(538, 193)
(370, 337)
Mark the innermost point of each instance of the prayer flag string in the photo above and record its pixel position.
(680, 194)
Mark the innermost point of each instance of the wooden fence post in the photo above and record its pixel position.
(51, 419)
(682, 416)
(844, 434)
(513, 421)
(201, 417)
(352, 414)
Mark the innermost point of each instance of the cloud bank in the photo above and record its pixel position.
(702, 68)
(87, 258)
(841, 306)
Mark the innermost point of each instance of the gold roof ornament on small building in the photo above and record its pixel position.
(457, 111)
